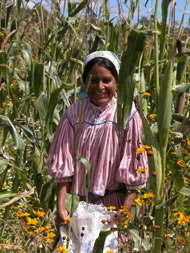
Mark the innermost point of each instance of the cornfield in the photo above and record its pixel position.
(41, 61)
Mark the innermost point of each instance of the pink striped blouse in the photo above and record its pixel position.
(98, 143)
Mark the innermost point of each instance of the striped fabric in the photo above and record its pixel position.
(98, 143)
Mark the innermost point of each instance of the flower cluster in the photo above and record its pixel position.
(182, 219)
(142, 198)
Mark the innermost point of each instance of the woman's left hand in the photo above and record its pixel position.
(119, 218)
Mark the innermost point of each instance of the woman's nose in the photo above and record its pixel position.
(100, 84)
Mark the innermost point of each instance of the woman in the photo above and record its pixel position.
(113, 176)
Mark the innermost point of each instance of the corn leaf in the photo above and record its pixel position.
(165, 5)
(38, 78)
(42, 104)
(68, 202)
(5, 122)
(185, 191)
(180, 88)
(165, 106)
(47, 194)
(73, 10)
(125, 87)
(87, 167)
(99, 243)
(155, 159)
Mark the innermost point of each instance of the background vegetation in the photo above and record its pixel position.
(41, 55)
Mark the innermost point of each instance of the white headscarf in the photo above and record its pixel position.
(104, 54)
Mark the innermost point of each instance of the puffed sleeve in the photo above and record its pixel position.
(60, 156)
(130, 161)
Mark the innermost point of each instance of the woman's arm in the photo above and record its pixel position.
(130, 198)
(62, 213)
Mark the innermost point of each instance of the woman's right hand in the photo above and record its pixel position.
(61, 216)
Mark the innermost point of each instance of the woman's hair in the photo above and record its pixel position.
(100, 61)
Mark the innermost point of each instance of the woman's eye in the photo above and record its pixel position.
(94, 80)
(106, 80)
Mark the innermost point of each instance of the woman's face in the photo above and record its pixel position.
(102, 86)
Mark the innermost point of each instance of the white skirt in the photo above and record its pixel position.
(87, 222)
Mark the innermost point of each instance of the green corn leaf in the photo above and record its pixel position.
(51, 107)
(181, 66)
(125, 87)
(185, 191)
(5, 122)
(99, 243)
(135, 234)
(47, 194)
(165, 106)
(165, 5)
(68, 202)
(5, 196)
(112, 40)
(3, 62)
(180, 88)
(42, 104)
(73, 10)
(168, 203)
(3, 176)
(38, 78)
(155, 159)
(87, 167)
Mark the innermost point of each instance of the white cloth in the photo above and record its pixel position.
(87, 220)
(104, 54)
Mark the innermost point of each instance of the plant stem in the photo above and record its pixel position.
(156, 46)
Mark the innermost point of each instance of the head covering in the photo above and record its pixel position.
(104, 54)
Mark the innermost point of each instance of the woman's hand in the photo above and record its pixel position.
(61, 216)
(119, 218)
(62, 213)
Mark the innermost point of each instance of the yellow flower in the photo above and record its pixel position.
(181, 240)
(182, 219)
(40, 214)
(31, 233)
(140, 201)
(188, 143)
(156, 226)
(62, 249)
(137, 189)
(5, 186)
(167, 235)
(173, 153)
(2, 212)
(148, 195)
(140, 150)
(21, 214)
(184, 151)
(50, 235)
(147, 94)
(22, 205)
(111, 208)
(153, 116)
(109, 251)
(180, 163)
(31, 221)
(146, 147)
(140, 170)
(66, 220)
(186, 180)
